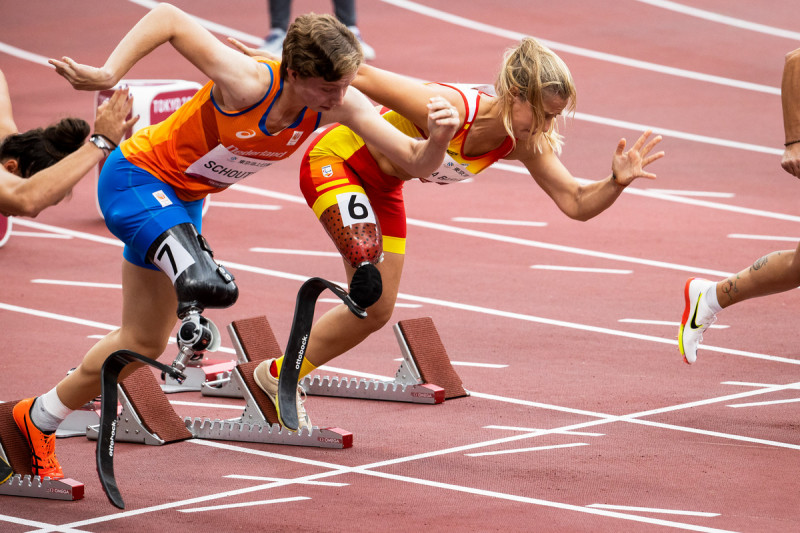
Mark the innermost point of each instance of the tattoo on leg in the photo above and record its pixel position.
(729, 288)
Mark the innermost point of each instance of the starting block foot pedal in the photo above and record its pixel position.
(425, 374)
(259, 421)
(198, 374)
(145, 415)
(14, 451)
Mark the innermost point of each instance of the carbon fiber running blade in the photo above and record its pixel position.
(298, 341)
(109, 376)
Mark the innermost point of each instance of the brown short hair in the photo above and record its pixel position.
(319, 46)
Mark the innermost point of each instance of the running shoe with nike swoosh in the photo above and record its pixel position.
(697, 317)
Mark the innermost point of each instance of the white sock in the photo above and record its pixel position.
(48, 411)
(710, 297)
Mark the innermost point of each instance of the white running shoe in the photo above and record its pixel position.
(369, 52)
(273, 42)
(697, 317)
(269, 385)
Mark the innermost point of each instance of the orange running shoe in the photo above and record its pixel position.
(43, 446)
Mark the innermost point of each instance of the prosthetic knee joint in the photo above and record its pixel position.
(185, 256)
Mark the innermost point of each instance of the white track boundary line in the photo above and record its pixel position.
(474, 25)
(723, 19)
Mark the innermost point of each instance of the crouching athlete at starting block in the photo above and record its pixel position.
(152, 186)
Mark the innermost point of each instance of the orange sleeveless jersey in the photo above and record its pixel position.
(200, 149)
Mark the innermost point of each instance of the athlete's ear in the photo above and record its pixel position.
(11, 165)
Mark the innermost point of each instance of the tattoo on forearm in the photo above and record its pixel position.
(760, 263)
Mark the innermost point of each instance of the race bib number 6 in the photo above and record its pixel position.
(355, 208)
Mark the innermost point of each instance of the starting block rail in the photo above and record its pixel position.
(146, 417)
(421, 378)
(15, 451)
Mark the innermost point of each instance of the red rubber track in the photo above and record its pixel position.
(624, 422)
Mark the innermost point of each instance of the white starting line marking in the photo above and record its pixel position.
(582, 269)
(521, 450)
(500, 221)
(763, 237)
(649, 510)
(758, 404)
(580, 433)
(301, 482)
(245, 504)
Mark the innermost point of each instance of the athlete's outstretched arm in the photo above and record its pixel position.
(418, 158)
(29, 196)
(7, 125)
(582, 202)
(790, 100)
(241, 80)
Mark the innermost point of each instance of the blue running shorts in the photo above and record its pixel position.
(138, 207)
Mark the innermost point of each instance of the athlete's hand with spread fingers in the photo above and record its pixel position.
(252, 52)
(791, 160)
(83, 77)
(443, 120)
(627, 166)
(112, 121)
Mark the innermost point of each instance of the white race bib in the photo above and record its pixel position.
(451, 171)
(222, 168)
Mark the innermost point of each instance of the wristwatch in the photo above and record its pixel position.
(102, 142)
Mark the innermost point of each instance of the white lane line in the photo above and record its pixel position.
(262, 478)
(522, 450)
(77, 283)
(466, 363)
(239, 205)
(244, 504)
(560, 268)
(425, 300)
(669, 133)
(663, 323)
(773, 402)
(500, 221)
(723, 19)
(24, 54)
(707, 194)
(38, 235)
(475, 25)
(763, 237)
(287, 251)
(673, 198)
(530, 430)
(649, 510)
(397, 304)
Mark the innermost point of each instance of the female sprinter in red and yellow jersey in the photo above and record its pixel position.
(356, 191)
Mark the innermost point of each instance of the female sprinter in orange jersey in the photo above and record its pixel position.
(151, 188)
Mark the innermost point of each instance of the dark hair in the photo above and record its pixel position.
(40, 148)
